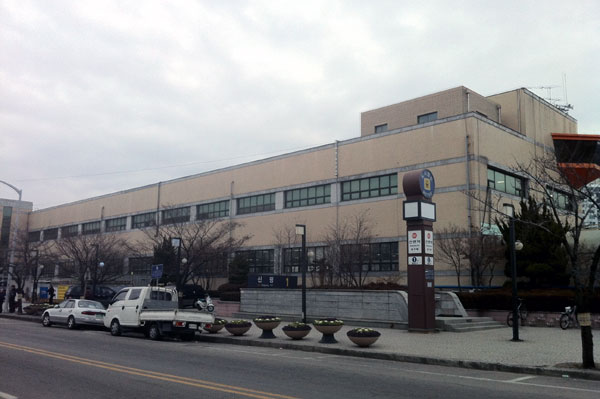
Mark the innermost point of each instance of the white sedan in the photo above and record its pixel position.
(75, 312)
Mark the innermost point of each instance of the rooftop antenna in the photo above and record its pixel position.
(556, 101)
(566, 106)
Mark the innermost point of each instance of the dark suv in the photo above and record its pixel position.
(103, 293)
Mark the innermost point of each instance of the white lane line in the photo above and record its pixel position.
(527, 377)
(7, 396)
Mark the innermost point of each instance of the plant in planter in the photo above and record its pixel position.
(216, 326)
(267, 324)
(328, 327)
(363, 337)
(296, 330)
(238, 327)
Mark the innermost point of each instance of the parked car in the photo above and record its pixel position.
(103, 293)
(191, 294)
(75, 312)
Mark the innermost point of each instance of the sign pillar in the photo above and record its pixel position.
(419, 214)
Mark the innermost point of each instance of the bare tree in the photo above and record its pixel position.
(564, 190)
(205, 244)
(93, 258)
(285, 237)
(348, 249)
(451, 250)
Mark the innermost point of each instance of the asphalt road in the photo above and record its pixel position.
(38, 362)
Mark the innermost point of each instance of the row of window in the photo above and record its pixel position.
(429, 117)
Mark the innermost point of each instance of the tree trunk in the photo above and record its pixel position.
(587, 347)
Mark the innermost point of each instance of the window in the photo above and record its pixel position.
(308, 196)
(426, 117)
(143, 220)
(377, 257)
(90, 228)
(213, 210)
(120, 296)
(370, 187)
(292, 259)
(506, 183)
(69, 231)
(117, 224)
(561, 199)
(259, 261)
(134, 294)
(33, 236)
(51, 234)
(161, 296)
(141, 265)
(381, 128)
(256, 203)
(177, 215)
(5, 229)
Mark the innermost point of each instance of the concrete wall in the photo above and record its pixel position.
(381, 306)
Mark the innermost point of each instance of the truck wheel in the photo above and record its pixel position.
(71, 325)
(154, 333)
(115, 328)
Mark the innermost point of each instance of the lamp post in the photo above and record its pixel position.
(176, 243)
(301, 230)
(13, 244)
(513, 246)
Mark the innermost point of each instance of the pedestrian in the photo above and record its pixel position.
(11, 299)
(51, 294)
(2, 295)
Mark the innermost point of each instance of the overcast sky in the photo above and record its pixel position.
(102, 96)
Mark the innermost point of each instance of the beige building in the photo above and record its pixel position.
(468, 141)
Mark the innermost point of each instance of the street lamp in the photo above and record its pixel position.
(13, 244)
(176, 243)
(301, 231)
(514, 246)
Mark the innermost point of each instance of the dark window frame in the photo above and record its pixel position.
(116, 224)
(69, 231)
(212, 210)
(370, 187)
(381, 128)
(51, 234)
(176, 215)
(143, 220)
(494, 182)
(308, 196)
(256, 204)
(428, 117)
(91, 228)
(260, 261)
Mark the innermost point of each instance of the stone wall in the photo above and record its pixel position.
(382, 306)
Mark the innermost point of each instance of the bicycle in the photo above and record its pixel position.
(568, 318)
(521, 311)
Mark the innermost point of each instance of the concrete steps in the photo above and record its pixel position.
(466, 324)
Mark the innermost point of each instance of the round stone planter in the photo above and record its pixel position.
(296, 334)
(363, 342)
(267, 328)
(328, 332)
(238, 329)
(214, 328)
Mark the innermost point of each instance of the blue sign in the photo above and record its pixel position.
(427, 183)
(157, 271)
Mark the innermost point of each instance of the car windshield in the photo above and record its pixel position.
(90, 304)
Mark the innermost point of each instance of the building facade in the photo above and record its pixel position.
(469, 142)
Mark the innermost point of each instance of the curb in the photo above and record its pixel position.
(466, 364)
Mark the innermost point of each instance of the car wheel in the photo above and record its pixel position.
(154, 332)
(71, 325)
(46, 320)
(115, 328)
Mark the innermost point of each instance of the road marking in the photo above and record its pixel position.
(150, 374)
(7, 396)
(527, 377)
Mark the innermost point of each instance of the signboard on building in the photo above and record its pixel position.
(429, 242)
(157, 271)
(272, 281)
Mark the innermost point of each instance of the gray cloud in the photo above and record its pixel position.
(131, 93)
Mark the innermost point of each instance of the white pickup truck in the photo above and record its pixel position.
(154, 311)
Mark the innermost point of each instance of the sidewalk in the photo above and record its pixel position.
(544, 351)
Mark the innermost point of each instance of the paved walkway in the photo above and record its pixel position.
(548, 351)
